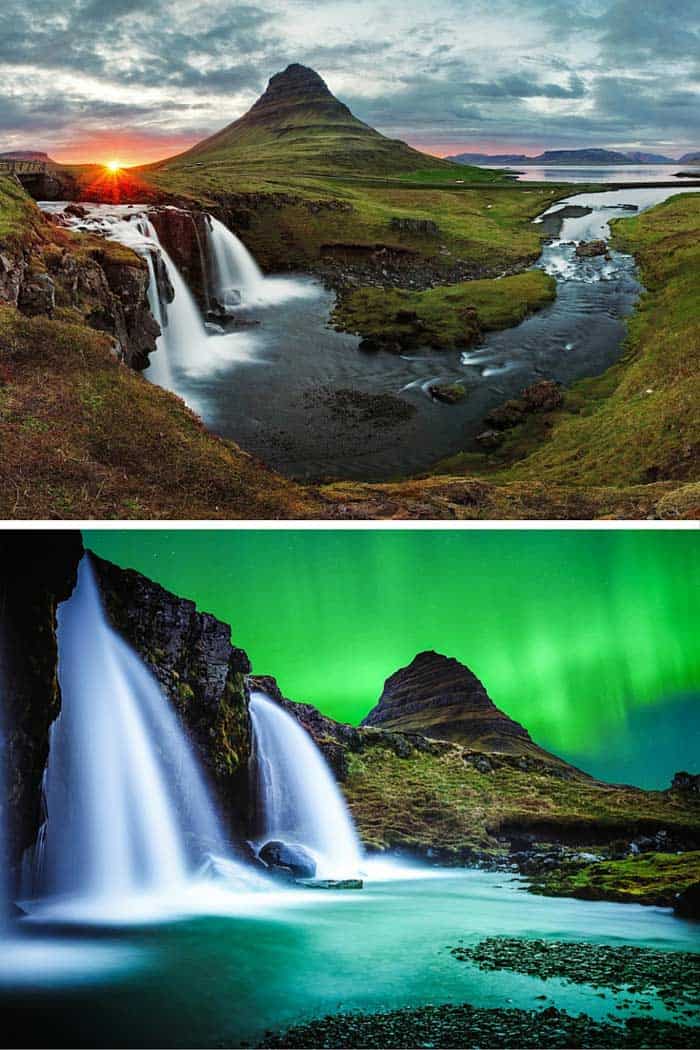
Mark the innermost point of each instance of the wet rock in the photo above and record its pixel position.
(331, 884)
(449, 393)
(288, 857)
(199, 670)
(688, 902)
(588, 249)
(76, 210)
(37, 296)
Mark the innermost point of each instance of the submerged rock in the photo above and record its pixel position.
(288, 858)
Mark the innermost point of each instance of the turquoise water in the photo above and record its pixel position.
(250, 962)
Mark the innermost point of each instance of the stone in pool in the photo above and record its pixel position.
(331, 884)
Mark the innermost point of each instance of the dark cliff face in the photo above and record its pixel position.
(37, 571)
(203, 674)
(440, 697)
(183, 234)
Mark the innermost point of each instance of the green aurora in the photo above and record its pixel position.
(589, 638)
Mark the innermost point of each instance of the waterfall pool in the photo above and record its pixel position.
(303, 398)
(237, 964)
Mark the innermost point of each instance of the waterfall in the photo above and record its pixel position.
(298, 798)
(127, 810)
(236, 277)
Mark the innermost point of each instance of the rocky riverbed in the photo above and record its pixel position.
(468, 1026)
(673, 977)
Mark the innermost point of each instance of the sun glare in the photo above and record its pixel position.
(113, 165)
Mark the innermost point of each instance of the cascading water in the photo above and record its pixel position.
(236, 277)
(298, 798)
(127, 810)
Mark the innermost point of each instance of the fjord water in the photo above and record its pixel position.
(596, 173)
(300, 395)
(127, 810)
(296, 795)
(222, 980)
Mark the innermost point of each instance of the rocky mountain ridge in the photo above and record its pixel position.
(441, 698)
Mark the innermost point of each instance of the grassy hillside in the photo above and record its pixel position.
(453, 802)
(297, 125)
(639, 422)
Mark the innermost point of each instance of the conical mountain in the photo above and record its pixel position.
(440, 697)
(299, 126)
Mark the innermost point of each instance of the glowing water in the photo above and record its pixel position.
(127, 810)
(297, 795)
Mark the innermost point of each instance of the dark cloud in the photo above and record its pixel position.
(540, 72)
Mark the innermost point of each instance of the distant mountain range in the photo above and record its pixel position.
(574, 156)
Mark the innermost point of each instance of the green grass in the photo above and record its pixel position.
(18, 216)
(440, 801)
(447, 317)
(650, 878)
(639, 422)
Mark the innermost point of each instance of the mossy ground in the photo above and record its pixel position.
(650, 878)
(443, 802)
(441, 317)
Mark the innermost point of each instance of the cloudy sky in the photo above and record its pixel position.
(141, 79)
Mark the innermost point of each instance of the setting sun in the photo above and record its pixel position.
(113, 165)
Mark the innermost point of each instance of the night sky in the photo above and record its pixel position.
(95, 79)
(588, 638)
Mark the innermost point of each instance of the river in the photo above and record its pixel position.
(224, 967)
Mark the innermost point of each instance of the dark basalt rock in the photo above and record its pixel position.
(191, 655)
(37, 571)
(331, 884)
(688, 902)
(288, 857)
(183, 234)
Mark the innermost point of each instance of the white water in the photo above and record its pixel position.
(236, 277)
(297, 793)
(128, 812)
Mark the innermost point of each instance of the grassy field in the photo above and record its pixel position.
(442, 801)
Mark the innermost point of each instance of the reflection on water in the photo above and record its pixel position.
(225, 978)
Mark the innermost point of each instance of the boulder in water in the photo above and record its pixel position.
(586, 249)
(688, 902)
(288, 858)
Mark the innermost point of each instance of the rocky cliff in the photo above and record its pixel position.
(48, 272)
(438, 696)
(202, 673)
(37, 571)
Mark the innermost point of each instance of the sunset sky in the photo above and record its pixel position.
(95, 79)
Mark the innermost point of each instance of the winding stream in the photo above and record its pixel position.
(303, 398)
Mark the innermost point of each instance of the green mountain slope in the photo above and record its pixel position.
(298, 126)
